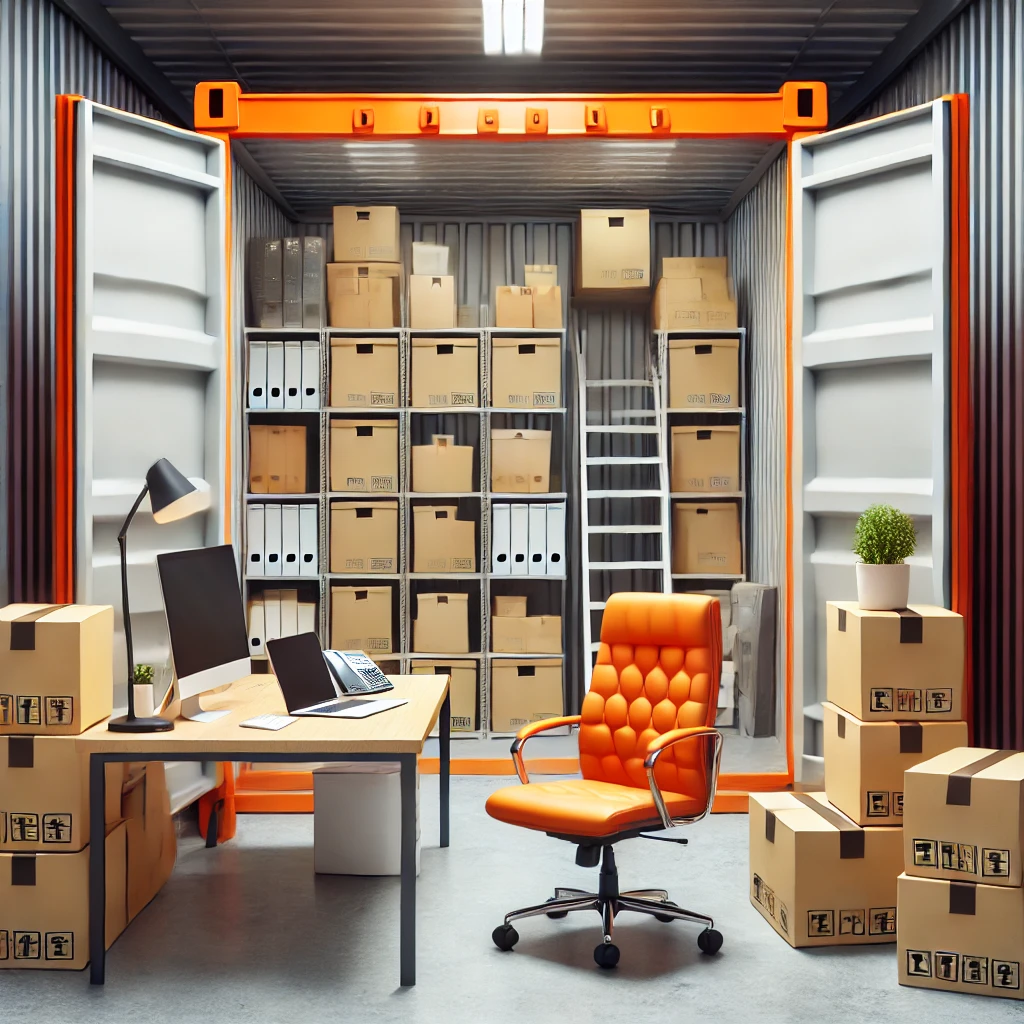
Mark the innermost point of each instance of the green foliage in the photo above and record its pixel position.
(143, 675)
(884, 536)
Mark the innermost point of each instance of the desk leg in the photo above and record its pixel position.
(445, 772)
(97, 871)
(407, 941)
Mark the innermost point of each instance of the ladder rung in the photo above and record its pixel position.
(621, 428)
(596, 606)
(616, 566)
(633, 414)
(593, 495)
(594, 648)
(623, 460)
(620, 383)
(625, 528)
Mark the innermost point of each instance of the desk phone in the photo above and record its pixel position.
(355, 672)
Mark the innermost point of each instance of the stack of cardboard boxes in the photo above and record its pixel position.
(824, 868)
(56, 671)
(364, 283)
(694, 294)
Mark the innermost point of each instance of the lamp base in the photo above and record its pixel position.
(131, 724)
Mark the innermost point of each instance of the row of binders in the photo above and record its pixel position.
(282, 540)
(528, 540)
(284, 374)
(277, 613)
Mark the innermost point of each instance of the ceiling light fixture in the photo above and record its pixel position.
(493, 45)
(513, 27)
(512, 23)
(533, 33)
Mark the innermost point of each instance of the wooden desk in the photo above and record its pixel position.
(396, 735)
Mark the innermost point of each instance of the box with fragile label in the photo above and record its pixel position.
(364, 372)
(906, 664)
(364, 455)
(441, 542)
(526, 373)
(818, 878)
(56, 668)
(520, 461)
(364, 536)
(445, 372)
(526, 634)
(706, 539)
(361, 619)
(442, 624)
(442, 467)
(706, 459)
(963, 816)
(431, 302)
(525, 691)
(614, 250)
(365, 233)
(461, 689)
(957, 937)
(865, 761)
(513, 306)
(703, 373)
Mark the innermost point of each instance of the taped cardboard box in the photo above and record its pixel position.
(705, 267)
(526, 373)
(364, 455)
(703, 373)
(364, 536)
(361, 619)
(513, 306)
(508, 605)
(152, 841)
(56, 668)
(44, 905)
(960, 937)
(680, 305)
(525, 691)
(442, 467)
(364, 372)
(529, 634)
(431, 302)
(706, 459)
(865, 761)
(520, 461)
(706, 538)
(963, 816)
(339, 284)
(614, 250)
(547, 307)
(364, 233)
(442, 542)
(277, 459)
(364, 303)
(462, 690)
(540, 275)
(442, 624)
(885, 666)
(445, 372)
(816, 877)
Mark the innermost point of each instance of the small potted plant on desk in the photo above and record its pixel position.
(885, 538)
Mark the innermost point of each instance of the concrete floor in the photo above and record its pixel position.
(246, 933)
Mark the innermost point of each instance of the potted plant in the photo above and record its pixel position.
(884, 539)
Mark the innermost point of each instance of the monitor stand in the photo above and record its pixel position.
(193, 711)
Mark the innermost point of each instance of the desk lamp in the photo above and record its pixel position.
(172, 497)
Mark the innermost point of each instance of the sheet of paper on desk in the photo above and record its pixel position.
(271, 722)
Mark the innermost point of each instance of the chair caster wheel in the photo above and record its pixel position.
(505, 937)
(606, 955)
(664, 918)
(709, 941)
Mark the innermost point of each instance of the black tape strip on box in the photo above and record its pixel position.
(962, 898)
(23, 870)
(911, 737)
(958, 785)
(851, 836)
(911, 626)
(23, 628)
(21, 752)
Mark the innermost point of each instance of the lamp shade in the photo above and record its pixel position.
(171, 495)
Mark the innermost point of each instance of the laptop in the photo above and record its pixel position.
(308, 686)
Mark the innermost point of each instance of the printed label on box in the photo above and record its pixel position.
(882, 921)
(881, 699)
(878, 804)
(378, 643)
(947, 966)
(5, 948)
(382, 483)
(897, 804)
(24, 827)
(27, 945)
(6, 708)
(995, 863)
(382, 564)
(29, 711)
(59, 710)
(355, 483)
(926, 853)
(60, 946)
(720, 399)
(975, 970)
(908, 700)
(1005, 974)
(938, 702)
(820, 923)
(381, 398)
(544, 398)
(919, 963)
(463, 398)
(462, 565)
(56, 828)
(764, 895)
(352, 564)
(851, 922)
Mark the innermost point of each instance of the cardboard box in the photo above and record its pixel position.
(364, 455)
(525, 691)
(816, 877)
(961, 938)
(445, 372)
(865, 761)
(429, 259)
(360, 302)
(520, 461)
(547, 307)
(431, 302)
(706, 459)
(614, 250)
(152, 840)
(441, 542)
(442, 467)
(364, 372)
(529, 634)
(364, 233)
(513, 306)
(44, 905)
(703, 373)
(526, 373)
(361, 619)
(706, 538)
(680, 305)
(442, 624)
(963, 816)
(364, 536)
(540, 275)
(339, 285)
(508, 605)
(884, 666)
(277, 459)
(705, 267)
(56, 668)
(461, 688)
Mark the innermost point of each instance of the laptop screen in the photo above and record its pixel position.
(301, 671)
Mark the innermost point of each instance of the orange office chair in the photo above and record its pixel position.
(648, 754)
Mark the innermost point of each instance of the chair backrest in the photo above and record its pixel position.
(657, 669)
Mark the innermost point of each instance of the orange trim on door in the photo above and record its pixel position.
(790, 637)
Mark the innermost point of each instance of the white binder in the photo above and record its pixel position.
(307, 617)
(257, 627)
(519, 543)
(290, 563)
(272, 614)
(538, 554)
(275, 374)
(311, 375)
(257, 374)
(272, 540)
(254, 560)
(556, 540)
(289, 612)
(500, 563)
(293, 374)
(309, 541)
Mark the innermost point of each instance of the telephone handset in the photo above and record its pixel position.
(355, 672)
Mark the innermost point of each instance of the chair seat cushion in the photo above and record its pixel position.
(583, 807)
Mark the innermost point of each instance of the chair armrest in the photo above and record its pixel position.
(668, 739)
(531, 730)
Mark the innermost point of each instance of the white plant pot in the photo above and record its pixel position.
(883, 588)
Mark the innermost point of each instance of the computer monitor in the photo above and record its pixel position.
(206, 622)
